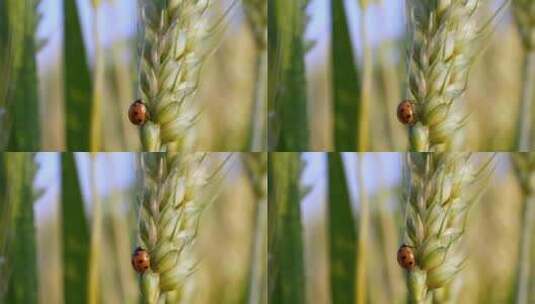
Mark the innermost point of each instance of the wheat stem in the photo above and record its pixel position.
(524, 164)
(96, 237)
(367, 78)
(364, 219)
(259, 119)
(524, 11)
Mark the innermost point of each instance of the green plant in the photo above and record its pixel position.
(256, 11)
(171, 203)
(524, 164)
(524, 11)
(440, 195)
(176, 45)
(444, 34)
(287, 90)
(286, 282)
(256, 166)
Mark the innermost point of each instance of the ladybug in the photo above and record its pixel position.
(138, 113)
(406, 257)
(140, 260)
(407, 113)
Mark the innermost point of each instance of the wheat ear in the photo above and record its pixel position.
(168, 219)
(524, 164)
(443, 37)
(176, 36)
(439, 198)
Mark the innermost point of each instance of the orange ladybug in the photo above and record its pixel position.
(406, 257)
(140, 260)
(138, 113)
(407, 113)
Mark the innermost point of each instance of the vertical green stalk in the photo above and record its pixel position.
(524, 11)
(77, 82)
(96, 237)
(524, 164)
(342, 234)
(345, 82)
(256, 165)
(75, 235)
(367, 65)
(287, 90)
(286, 282)
(23, 105)
(256, 11)
(364, 219)
(528, 93)
(98, 83)
(259, 112)
(22, 254)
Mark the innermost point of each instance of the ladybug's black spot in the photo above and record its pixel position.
(404, 257)
(146, 267)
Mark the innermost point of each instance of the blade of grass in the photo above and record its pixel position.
(364, 219)
(77, 82)
(286, 283)
(345, 82)
(342, 234)
(20, 172)
(287, 93)
(23, 107)
(75, 234)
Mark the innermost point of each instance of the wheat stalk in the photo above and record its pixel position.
(444, 35)
(168, 219)
(175, 47)
(439, 198)
(256, 11)
(256, 167)
(524, 11)
(524, 164)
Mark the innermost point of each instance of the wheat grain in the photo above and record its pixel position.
(168, 219)
(440, 194)
(444, 35)
(175, 46)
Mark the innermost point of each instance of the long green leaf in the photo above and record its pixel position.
(23, 106)
(345, 81)
(286, 267)
(342, 234)
(77, 82)
(287, 94)
(20, 173)
(75, 233)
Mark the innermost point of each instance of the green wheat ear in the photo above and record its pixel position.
(443, 186)
(444, 34)
(171, 204)
(176, 44)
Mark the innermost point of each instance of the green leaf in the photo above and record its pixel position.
(342, 234)
(286, 266)
(75, 233)
(22, 258)
(77, 82)
(345, 82)
(23, 102)
(287, 93)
